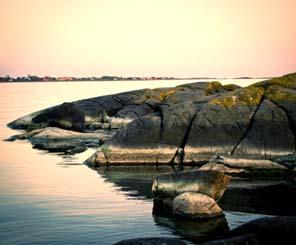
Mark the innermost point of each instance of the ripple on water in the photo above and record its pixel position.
(49, 198)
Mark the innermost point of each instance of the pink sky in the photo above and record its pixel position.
(184, 38)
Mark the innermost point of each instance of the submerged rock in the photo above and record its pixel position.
(195, 206)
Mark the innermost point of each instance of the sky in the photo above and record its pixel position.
(181, 38)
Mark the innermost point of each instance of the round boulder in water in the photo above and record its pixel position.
(196, 206)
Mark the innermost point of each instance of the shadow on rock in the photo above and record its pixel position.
(272, 197)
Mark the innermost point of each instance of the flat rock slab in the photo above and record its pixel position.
(245, 167)
(58, 133)
(209, 182)
(243, 163)
(60, 140)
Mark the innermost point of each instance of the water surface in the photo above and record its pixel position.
(49, 198)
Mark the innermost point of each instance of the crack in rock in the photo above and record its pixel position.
(250, 124)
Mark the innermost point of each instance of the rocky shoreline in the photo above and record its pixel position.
(213, 130)
(252, 128)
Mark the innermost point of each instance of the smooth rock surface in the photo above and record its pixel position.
(208, 182)
(244, 167)
(263, 137)
(195, 206)
(67, 116)
(222, 168)
(221, 123)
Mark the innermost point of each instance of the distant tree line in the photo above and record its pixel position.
(35, 78)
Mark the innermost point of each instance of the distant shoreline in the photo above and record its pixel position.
(137, 80)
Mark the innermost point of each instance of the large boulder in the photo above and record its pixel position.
(195, 206)
(255, 122)
(190, 194)
(188, 124)
(207, 182)
(174, 113)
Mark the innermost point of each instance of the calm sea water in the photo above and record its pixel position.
(55, 199)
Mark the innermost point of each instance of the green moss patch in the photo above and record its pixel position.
(231, 87)
(247, 96)
(286, 81)
(213, 87)
(277, 93)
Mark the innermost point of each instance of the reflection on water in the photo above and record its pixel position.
(243, 201)
(195, 231)
(264, 197)
(135, 181)
(50, 198)
(267, 197)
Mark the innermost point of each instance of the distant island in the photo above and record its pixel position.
(34, 78)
